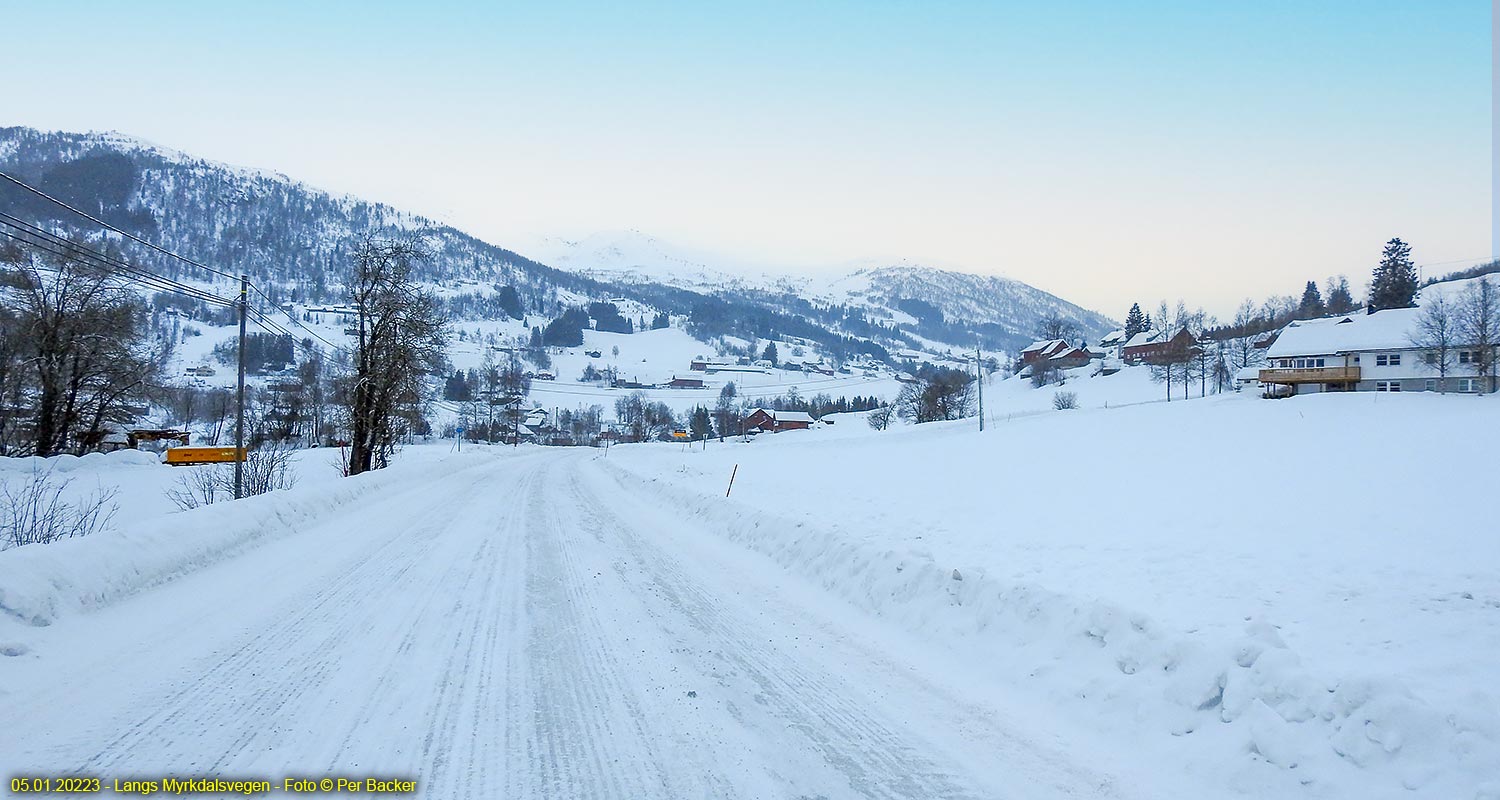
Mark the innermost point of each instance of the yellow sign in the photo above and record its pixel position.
(183, 456)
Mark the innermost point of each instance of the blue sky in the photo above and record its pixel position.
(1108, 152)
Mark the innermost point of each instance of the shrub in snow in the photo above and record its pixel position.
(34, 511)
(1064, 400)
(265, 470)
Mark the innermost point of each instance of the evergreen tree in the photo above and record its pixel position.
(510, 302)
(1312, 302)
(1393, 283)
(536, 337)
(1135, 321)
(770, 353)
(699, 425)
(1340, 301)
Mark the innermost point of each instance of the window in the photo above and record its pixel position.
(1430, 384)
(1467, 357)
(1356, 358)
(1468, 384)
(1388, 386)
(1392, 360)
(1429, 358)
(1320, 362)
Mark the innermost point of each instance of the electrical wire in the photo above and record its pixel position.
(292, 317)
(63, 248)
(39, 193)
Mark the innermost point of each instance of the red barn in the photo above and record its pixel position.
(1038, 351)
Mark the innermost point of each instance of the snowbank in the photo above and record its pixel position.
(84, 463)
(1269, 701)
(41, 583)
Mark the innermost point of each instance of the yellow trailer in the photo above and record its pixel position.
(186, 456)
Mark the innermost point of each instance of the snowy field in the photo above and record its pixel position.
(1227, 597)
(1294, 596)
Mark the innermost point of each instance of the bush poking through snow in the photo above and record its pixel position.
(36, 512)
(265, 470)
(1064, 400)
(880, 418)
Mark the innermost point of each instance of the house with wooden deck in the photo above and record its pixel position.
(1364, 353)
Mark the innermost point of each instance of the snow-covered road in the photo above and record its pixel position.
(522, 626)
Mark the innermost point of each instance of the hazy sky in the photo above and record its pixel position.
(1104, 151)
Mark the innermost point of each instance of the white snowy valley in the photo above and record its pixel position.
(1226, 597)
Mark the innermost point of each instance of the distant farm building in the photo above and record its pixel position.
(1149, 346)
(772, 421)
(1043, 350)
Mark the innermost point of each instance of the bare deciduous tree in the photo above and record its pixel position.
(1478, 316)
(1055, 326)
(400, 339)
(78, 343)
(1436, 333)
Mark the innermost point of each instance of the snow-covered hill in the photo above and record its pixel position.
(293, 239)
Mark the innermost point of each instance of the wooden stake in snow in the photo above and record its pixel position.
(731, 479)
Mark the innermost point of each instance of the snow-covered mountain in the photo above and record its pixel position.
(292, 240)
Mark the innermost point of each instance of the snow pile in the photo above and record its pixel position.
(41, 583)
(84, 463)
(1354, 660)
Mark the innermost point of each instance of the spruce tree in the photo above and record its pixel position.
(1312, 301)
(1135, 321)
(1393, 284)
(1340, 301)
(770, 353)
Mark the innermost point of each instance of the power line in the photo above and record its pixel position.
(63, 248)
(39, 193)
(292, 317)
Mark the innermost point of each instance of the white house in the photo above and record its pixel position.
(1362, 352)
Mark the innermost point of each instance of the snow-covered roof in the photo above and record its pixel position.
(792, 416)
(1247, 374)
(1144, 337)
(1113, 336)
(1043, 345)
(1390, 329)
(1066, 353)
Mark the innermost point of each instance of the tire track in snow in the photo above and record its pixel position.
(590, 738)
(274, 680)
(878, 756)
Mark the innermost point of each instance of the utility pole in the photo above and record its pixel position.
(239, 398)
(979, 380)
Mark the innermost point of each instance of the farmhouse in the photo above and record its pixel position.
(1071, 357)
(1149, 346)
(679, 382)
(773, 421)
(1041, 350)
(1364, 353)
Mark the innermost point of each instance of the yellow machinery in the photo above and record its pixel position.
(186, 456)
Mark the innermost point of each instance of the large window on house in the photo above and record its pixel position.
(1430, 384)
(1391, 360)
(1387, 386)
(1468, 384)
(1467, 356)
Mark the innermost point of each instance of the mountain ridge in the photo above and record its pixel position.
(291, 238)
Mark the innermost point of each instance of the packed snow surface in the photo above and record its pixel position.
(1225, 597)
